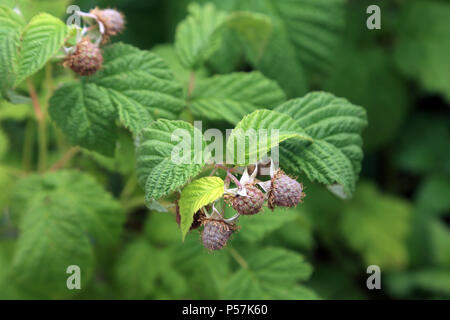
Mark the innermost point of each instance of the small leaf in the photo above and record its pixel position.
(335, 125)
(197, 36)
(258, 132)
(156, 169)
(271, 274)
(196, 195)
(41, 39)
(233, 96)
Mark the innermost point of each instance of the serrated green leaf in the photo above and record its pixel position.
(420, 52)
(196, 195)
(233, 96)
(197, 36)
(335, 125)
(304, 36)
(157, 171)
(377, 227)
(253, 29)
(182, 75)
(256, 134)
(59, 216)
(11, 25)
(134, 87)
(272, 273)
(41, 39)
(380, 91)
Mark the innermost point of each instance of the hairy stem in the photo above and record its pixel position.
(235, 180)
(129, 187)
(65, 158)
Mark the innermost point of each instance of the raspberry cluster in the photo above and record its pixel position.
(247, 199)
(86, 58)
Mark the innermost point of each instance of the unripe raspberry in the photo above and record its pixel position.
(112, 20)
(250, 204)
(216, 233)
(86, 60)
(284, 191)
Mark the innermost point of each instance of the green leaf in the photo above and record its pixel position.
(272, 273)
(420, 52)
(197, 36)
(427, 154)
(233, 96)
(24, 49)
(248, 142)
(304, 36)
(380, 91)
(60, 216)
(41, 39)
(134, 87)
(377, 227)
(156, 169)
(335, 125)
(196, 195)
(138, 268)
(435, 280)
(11, 25)
(182, 75)
(253, 29)
(15, 112)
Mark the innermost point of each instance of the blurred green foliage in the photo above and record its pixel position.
(399, 218)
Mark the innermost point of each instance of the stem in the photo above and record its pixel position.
(42, 130)
(191, 84)
(235, 180)
(129, 187)
(27, 154)
(132, 204)
(239, 259)
(65, 158)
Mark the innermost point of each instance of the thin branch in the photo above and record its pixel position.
(239, 259)
(35, 100)
(42, 127)
(191, 84)
(235, 180)
(65, 158)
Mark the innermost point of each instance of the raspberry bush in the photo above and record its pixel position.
(88, 111)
